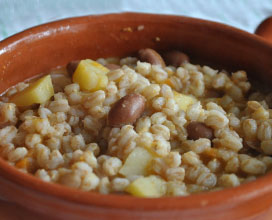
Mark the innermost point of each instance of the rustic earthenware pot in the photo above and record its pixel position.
(42, 48)
(265, 29)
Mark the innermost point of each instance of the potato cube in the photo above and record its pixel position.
(151, 186)
(23, 164)
(90, 75)
(137, 162)
(183, 100)
(37, 93)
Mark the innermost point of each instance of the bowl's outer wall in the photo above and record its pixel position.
(265, 29)
(42, 48)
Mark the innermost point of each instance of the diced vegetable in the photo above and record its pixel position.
(183, 100)
(37, 93)
(151, 186)
(90, 75)
(27, 164)
(23, 164)
(137, 162)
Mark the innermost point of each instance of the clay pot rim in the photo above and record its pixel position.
(41, 30)
(240, 194)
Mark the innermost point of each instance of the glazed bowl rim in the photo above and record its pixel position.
(241, 193)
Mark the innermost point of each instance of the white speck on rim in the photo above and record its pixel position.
(140, 27)
(204, 202)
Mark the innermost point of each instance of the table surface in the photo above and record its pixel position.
(17, 15)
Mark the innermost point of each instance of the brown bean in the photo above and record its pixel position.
(151, 56)
(175, 58)
(251, 147)
(71, 67)
(112, 66)
(198, 130)
(127, 110)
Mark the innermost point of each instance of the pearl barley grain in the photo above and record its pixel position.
(218, 135)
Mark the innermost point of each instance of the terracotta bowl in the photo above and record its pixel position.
(44, 47)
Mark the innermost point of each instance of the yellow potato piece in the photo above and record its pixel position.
(90, 75)
(184, 101)
(103, 82)
(137, 162)
(151, 187)
(24, 163)
(37, 93)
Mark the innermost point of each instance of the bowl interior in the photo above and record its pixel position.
(44, 47)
